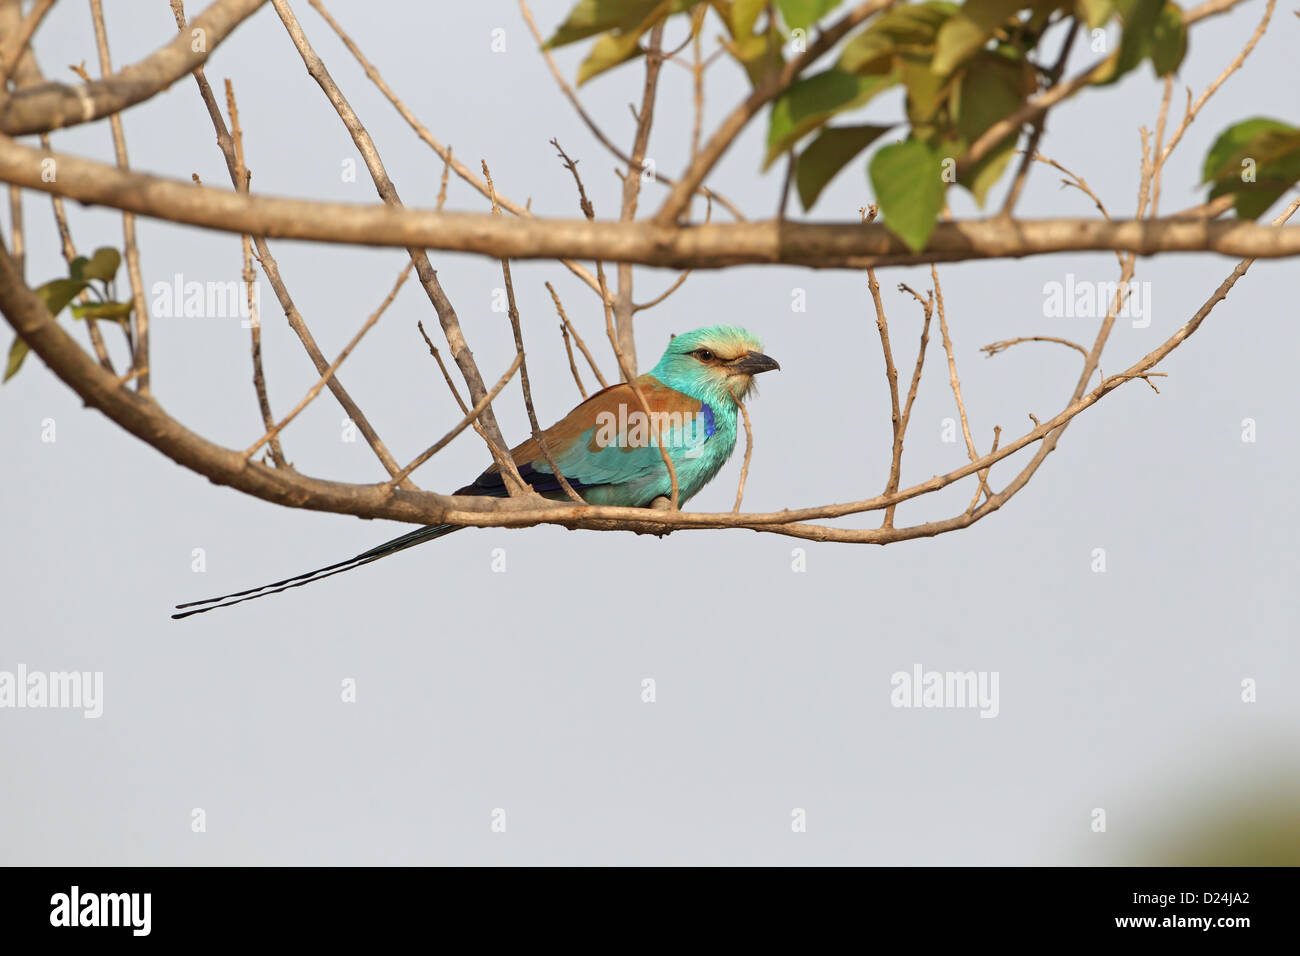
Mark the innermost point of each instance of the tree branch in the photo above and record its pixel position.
(140, 312)
(447, 317)
(49, 106)
(818, 245)
(772, 86)
(271, 268)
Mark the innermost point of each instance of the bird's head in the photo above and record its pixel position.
(715, 365)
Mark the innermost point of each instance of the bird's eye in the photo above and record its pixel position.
(704, 355)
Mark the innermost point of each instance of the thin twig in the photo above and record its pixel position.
(447, 317)
(749, 452)
(243, 182)
(424, 135)
(513, 312)
(573, 365)
(18, 253)
(701, 165)
(603, 139)
(952, 364)
(1195, 108)
(1059, 92)
(676, 284)
(69, 254)
(891, 379)
(1005, 344)
(681, 279)
(589, 211)
(1053, 77)
(455, 393)
(984, 475)
(896, 464)
(442, 186)
(582, 346)
(140, 314)
(1075, 180)
(623, 309)
(471, 417)
(697, 79)
(271, 269)
(334, 366)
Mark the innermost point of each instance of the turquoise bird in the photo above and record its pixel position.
(607, 448)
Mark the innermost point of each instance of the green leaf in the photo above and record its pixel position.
(1260, 138)
(813, 100)
(759, 54)
(1255, 162)
(590, 17)
(798, 14)
(829, 153)
(1139, 18)
(621, 21)
(17, 352)
(991, 88)
(103, 265)
(981, 176)
(904, 29)
(624, 42)
(908, 182)
(744, 14)
(57, 293)
(969, 29)
(1094, 12)
(1251, 199)
(1169, 40)
(77, 267)
(111, 311)
(926, 90)
(609, 51)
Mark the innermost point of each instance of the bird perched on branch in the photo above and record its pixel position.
(608, 449)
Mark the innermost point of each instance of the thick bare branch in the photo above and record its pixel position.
(817, 245)
(144, 418)
(12, 50)
(40, 109)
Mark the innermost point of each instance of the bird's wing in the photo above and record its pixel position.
(592, 446)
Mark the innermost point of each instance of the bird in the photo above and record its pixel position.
(606, 448)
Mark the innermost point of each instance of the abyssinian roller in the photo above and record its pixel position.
(606, 448)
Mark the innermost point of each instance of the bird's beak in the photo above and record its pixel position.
(751, 363)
